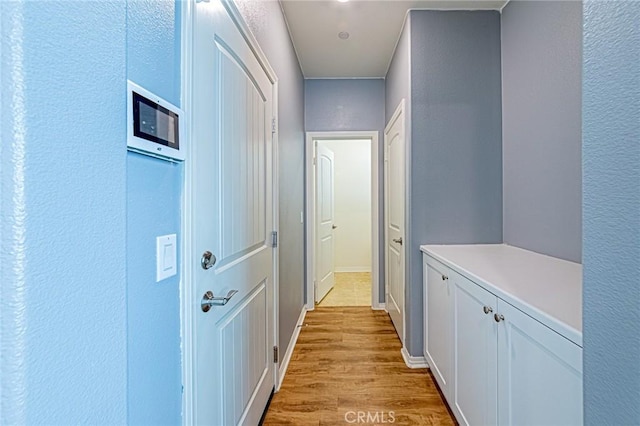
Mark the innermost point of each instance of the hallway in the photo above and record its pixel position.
(347, 362)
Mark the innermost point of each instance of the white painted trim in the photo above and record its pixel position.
(187, 313)
(503, 6)
(284, 363)
(353, 269)
(236, 17)
(379, 307)
(276, 227)
(311, 137)
(413, 361)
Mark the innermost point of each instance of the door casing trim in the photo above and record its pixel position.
(311, 137)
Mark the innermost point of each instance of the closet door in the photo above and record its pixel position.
(475, 387)
(539, 373)
(394, 219)
(439, 320)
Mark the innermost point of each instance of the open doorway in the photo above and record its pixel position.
(342, 219)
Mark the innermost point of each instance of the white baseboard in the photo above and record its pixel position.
(353, 269)
(284, 364)
(413, 361)
(379, 307)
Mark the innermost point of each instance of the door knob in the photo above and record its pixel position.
(209, 300)
(498, 317)
(487, 309)
(208, 260)
(398, 240)
(334, 226)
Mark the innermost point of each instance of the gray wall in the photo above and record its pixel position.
(611, 212)
(398, 80)
(344, 105)
(542, 140)
(266, 21)
(456, 141)
(350, 105)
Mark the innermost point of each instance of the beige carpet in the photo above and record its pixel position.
(350, 289)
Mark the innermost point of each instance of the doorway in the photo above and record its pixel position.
(342, 220)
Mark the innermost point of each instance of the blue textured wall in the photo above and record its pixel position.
(81, 344)
(63, 218)
(266, 21)
(334, 105)
(153, 209)
(344, 105)
(611, 212)
(153, 331)
(398, 78)
(542, 119)
(456, 141)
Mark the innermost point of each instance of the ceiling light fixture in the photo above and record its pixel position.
(343, 35)
(343, 1)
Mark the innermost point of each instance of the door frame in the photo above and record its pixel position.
(310, 206)
(188, 309)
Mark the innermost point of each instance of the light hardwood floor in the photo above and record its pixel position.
(347, 360)
(349, 289)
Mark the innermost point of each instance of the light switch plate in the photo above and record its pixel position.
(166, 257)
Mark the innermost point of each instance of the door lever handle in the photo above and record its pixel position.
(209, 300)
(398, 240)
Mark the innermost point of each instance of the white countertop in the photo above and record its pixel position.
(544, 287)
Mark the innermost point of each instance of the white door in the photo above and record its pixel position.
(232, 218)
(324, 221)
(394, 218)
(539, 372)
(438, 330)
(475, 387)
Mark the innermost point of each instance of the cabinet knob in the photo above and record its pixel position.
(498, 317)
(487, 309)
(444, 277)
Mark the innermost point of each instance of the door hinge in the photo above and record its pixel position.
(274, 239)
(275, 354)
(273, 125)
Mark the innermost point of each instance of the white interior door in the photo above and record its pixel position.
(325, 226)
(394, 218)
(232, 218)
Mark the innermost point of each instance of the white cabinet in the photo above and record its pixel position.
(539, 373)
(495, 363)
(438, 348)
(475, 389)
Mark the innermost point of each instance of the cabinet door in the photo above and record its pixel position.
(475, 388)
(539, 373)
(438, 327)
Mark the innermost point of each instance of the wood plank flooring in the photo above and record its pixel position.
(347, 360)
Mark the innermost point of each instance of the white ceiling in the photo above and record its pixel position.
(373, 26)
